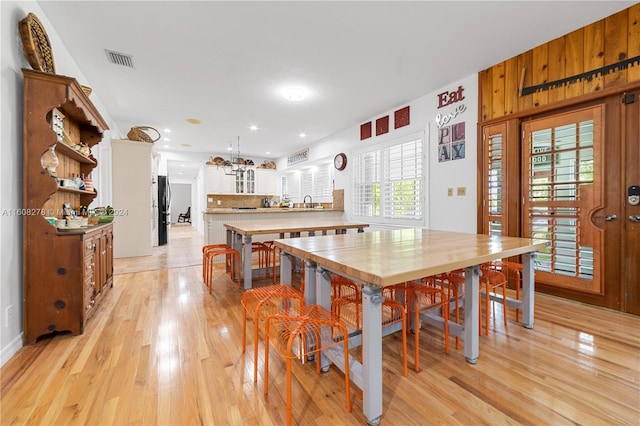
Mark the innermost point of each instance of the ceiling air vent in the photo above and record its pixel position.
(119, 58)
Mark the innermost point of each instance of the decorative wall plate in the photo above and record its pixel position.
(36, 45)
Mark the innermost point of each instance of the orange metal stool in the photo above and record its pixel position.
(490, 281)
(301, 333)
(513, 272)
(205, 250)
(349, 311)
(232, 258)
(419, 298)
(258, 303)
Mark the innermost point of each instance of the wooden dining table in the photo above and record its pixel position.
(382, 258)
(240, 235)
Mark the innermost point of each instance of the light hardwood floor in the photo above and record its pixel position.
(162, 350)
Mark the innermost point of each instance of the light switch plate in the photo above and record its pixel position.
(450, 192)
(462, 191)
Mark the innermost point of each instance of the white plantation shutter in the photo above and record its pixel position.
(366, 184)
(306, 183)
(388, 181)
(402, 177)
(322, 183)
(315, 181)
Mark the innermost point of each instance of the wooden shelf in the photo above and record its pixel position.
(65, 149)
(75, 191)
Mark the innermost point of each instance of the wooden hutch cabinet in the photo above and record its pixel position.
(66, 272)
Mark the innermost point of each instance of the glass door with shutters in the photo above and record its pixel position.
(563, 188)
(566, 178)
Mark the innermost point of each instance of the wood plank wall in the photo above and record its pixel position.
(602, 43)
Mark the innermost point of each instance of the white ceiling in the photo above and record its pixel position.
(225, 63)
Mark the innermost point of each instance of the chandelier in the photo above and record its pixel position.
(234, 166)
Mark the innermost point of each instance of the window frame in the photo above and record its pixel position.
(382, 147)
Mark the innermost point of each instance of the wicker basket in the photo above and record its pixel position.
(138, 134)
(35, 44)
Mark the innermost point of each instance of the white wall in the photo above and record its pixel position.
(180, 199)
(456, 213)
(11, 158)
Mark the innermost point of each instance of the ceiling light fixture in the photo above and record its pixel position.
(295, 94)
(253, 127)
(303, 135)
(167, 130)
(234, 167)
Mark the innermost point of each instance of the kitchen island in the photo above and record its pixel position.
(215, 218)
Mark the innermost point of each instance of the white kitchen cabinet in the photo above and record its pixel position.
(251, 181)
(217, 182)
(266, 182)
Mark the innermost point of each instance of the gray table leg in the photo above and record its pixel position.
(528, 288)
(372, 352)
(248, 267)
(471, 312)
(285, 268)
(236, 243)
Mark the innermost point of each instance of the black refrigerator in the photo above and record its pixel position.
(164, 199)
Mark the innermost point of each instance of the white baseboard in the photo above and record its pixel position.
(11, 349)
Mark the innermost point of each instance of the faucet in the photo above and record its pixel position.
(310, 201)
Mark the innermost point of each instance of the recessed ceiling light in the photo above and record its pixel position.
(193, 121)
(303, 135)
(268, 153)
(294, 94)
(253, 127)
(166, 139)
(183, 165)
(167, 130)
(167, 145)
(180, 173)
(186, 145)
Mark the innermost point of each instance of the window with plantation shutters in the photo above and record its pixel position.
(388, 181)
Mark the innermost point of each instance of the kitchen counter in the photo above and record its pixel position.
(215, 218)
(268, 210)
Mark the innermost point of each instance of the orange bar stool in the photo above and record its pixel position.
(260, 302)
(513, 273)
(263, 255)
(349, 311)
(420, 298)
(232, 257)
(205, 250)
(490, 281)
(453, 283)
(273, 258)
(297, 335)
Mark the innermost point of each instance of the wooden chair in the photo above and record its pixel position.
(298, 334)
(185, 217)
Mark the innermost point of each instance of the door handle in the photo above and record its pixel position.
(634, 218)
(611, 218)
